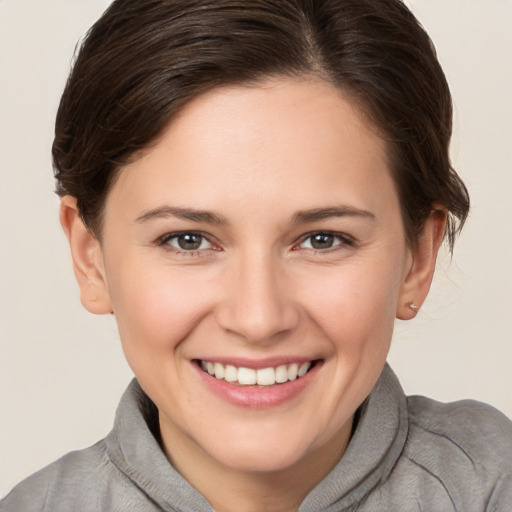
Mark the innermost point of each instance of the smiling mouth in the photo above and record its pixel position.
(269, 376)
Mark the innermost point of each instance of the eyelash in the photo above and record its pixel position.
(164, 243)
(344, 241)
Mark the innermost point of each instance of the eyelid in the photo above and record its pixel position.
(345, 239)
(162, 241)
(174, 234)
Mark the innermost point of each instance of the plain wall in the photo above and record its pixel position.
(62, 370)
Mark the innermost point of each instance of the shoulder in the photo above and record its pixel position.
(463, 447)
(61, 485)
(58, 483)
(456, 457)
(466, 428)
(83, 480)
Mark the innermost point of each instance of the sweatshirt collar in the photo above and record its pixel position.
(134, 450)
(372, 453)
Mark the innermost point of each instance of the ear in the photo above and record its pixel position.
(87, 257)
(418, 279)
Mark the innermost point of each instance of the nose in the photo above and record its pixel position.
(258, 300)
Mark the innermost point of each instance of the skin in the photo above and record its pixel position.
(263, 162)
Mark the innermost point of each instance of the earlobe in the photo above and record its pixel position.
(87, 257)
(418, 278)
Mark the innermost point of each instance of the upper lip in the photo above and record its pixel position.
(257, 364)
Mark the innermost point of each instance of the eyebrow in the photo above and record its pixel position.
(183, 214)
(301, 217)
(305, 216)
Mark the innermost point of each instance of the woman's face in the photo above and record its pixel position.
(259, 236)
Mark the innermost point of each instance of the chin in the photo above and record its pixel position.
(261, 461)
(265, 449)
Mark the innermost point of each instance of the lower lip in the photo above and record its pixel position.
(255, 397)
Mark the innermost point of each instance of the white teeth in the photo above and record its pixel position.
(266, 377)
(231, 373)
(219, 371)
(246, 376)
(281, 374)
(303, 369)
(262, 377)
(293, 370)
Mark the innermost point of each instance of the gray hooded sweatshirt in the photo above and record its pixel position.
(406, 455)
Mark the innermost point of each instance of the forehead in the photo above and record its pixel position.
(281, 140)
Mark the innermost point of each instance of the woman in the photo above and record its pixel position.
(256, 194)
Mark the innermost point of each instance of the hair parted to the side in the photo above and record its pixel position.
(144, 59)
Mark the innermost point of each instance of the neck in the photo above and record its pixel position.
(231, 490)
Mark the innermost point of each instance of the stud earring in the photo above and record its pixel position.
(413, 307)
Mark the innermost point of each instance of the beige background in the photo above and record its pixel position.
(62, 370)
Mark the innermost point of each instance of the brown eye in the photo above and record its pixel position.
(325, 240)
(189, 241)
(322, 241)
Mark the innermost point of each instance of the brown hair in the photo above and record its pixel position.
(144, 59)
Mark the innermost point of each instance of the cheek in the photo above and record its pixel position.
(355, 305)
(156, 308)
